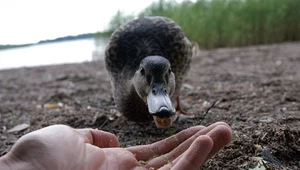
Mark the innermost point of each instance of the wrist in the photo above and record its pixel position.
(7, 162)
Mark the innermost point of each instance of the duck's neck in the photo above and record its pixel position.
(131, 105)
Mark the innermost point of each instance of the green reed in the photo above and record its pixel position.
(228, 23)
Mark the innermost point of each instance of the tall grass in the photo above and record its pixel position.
(229, 23)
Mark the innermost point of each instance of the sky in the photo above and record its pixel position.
(29, 21)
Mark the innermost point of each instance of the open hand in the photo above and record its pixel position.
(62, 147)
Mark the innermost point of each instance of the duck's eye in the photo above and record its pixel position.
(142, 71)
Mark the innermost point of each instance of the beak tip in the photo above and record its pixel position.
(164, 112)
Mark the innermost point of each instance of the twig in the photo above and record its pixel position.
(206, 111)
(95, 118)
(104, 123)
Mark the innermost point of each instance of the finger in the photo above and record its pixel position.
(98, 138)
(195, 156)
(108, 158)
(144, 152)
(119, 158)
(175, 153)
(221, 136)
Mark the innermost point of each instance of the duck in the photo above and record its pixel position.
(147, 60)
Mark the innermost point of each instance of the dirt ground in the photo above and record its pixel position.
(257, 89)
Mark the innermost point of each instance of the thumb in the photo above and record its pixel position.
(99, 138)
(94, 157)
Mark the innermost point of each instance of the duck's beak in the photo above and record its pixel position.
(160, 106)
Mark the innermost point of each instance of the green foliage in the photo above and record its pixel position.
(5, 47)
(228, 23)
(104, 34)
(118, 19)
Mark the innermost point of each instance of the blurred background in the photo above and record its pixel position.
(34, 32)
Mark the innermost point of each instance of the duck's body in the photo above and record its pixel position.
(138, 59)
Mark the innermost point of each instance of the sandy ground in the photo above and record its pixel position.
(257, 89)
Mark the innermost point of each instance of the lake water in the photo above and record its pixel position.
(75, 51)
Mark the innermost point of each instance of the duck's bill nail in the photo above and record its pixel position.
(162, 122)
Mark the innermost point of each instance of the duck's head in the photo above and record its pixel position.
(154, 82)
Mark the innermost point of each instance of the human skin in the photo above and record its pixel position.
(62, 147)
